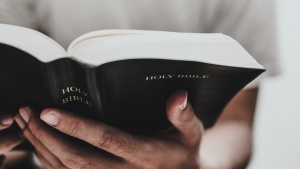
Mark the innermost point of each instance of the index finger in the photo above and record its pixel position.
(98, 134)
(69, 151)
(6, 120)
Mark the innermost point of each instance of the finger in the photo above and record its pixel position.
(36, 143)
(57, 147)
(6, 120)
(97, 134)
(180, 113)
(9, 139)
(45, 163)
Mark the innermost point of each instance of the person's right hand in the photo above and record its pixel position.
(8, 139)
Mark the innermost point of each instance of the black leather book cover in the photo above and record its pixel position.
(128, 94)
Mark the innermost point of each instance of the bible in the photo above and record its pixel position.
(122, 77)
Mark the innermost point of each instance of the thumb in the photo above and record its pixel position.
(180, 113)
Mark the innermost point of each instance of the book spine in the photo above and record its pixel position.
(71, 87)
(96, 91)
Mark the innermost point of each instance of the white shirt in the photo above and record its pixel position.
(250, 22)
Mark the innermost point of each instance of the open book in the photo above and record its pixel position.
(122, 77)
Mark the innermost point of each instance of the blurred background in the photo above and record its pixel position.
(277, 128)
(277, 132)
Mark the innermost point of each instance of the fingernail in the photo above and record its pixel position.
(6, 121)
(20, 121)
(24, 112)
(50, 118)
(183, 105)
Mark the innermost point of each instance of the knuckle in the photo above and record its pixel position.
(74, 127)
(188, 115)
(106, 139)
(148, 161)
(39, 132)
(127, 149)
(120, 146)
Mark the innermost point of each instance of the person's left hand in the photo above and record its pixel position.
(9, 137)
(97, 145)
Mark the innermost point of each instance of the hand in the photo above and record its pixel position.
(101, 146)
(8, 139)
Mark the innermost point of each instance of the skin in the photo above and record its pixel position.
(8, 139)
(228, 144)
(62, 140)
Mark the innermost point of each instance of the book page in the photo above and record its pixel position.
(104, 33)
(33, 42)
(216, 49)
